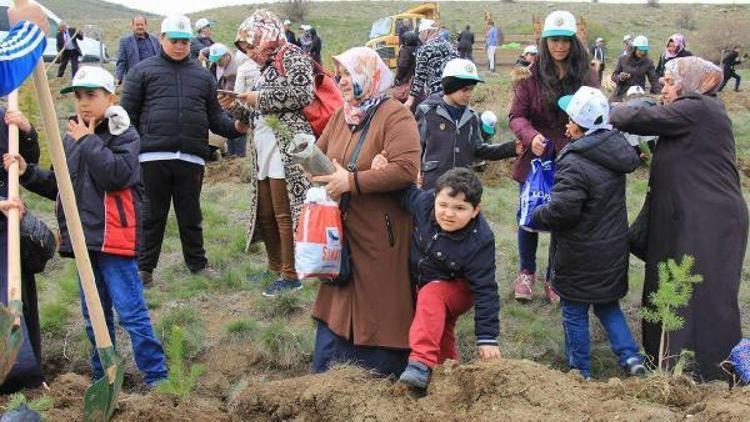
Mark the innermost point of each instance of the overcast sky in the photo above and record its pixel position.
(190, 6)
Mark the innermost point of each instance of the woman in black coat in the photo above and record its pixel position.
(696, 208)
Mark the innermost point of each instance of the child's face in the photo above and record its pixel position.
(572, 130)
(453, 213)
(92, 103)
(462, 97)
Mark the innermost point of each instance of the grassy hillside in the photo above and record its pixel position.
(245, 340)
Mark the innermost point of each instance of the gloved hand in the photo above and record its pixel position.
(119, 121)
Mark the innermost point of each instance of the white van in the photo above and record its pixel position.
(93, 50)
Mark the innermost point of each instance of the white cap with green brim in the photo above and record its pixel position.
(216, 52)
(177, 27)
(91, 77)
(640, 42)
(461, 69)
(559, 23)
(489, 120)
(588, 108)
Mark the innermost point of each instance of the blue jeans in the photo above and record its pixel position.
(577, 342)
(237, 146)
(119, 287)
(331, 349)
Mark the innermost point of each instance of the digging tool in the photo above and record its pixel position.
(20, 366)
(101, 397)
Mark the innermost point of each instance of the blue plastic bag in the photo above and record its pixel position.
(536, 190)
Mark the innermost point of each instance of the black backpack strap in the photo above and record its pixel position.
(352, 165)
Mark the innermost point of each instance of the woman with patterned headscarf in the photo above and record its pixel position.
(367, 319)
(278, 185)
(675, 48)
(695, 208)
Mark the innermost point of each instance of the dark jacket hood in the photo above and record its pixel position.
(608, 148)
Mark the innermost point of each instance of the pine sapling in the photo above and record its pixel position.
(675, 290)
(182, 379)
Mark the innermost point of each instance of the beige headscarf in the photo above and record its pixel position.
(694, 75)
(371, 78)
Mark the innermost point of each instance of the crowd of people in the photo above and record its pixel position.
(421, 251)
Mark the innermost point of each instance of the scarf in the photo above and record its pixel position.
(264, 34)
(679, 42)
(371, 78)
(694, 75)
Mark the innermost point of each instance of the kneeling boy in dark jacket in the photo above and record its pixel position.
(588, 219)
(102, 154)
(452, 262)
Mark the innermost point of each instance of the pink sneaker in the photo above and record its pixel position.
(551, 294)
(524, 286)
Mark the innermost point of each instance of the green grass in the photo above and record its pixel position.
(39, 404)
(186, 318)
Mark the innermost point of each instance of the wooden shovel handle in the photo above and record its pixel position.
(14, 217)
(68, 199)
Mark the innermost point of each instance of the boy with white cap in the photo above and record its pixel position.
(529, 56)
(102, 153)
(588, 219)
(450, 130)
(202, 39)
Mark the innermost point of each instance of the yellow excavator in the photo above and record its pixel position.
(384, 31)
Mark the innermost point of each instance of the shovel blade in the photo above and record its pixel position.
(101, 398)
(11, 340)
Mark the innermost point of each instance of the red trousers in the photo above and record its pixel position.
(439, 304)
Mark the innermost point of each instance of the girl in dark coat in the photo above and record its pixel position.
(696, 208)
(633, 70)
(562, 67)
(675, 48)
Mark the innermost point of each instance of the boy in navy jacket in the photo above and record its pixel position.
(102, 154)
(452, 262)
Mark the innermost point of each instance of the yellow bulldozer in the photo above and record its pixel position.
(384, 31)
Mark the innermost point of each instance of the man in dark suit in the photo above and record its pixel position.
(67, 42)
(135, 48)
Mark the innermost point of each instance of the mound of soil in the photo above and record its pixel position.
(157, 407)
(228, 170)
(504, 389)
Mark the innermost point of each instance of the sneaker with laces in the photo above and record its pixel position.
(551, 294)
(280, 286)
(634, 366)
(524, 286)
(416, 375)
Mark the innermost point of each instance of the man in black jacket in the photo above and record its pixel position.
(67, 42)
(172, 102)
(731, 60)
(466, 44)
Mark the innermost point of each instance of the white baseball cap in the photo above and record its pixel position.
(305, 27)
(559, 23)
(91, 77)
(216, 52)
(461, 69)
(588, 108)
(640, 42)
(626, 38)
(635, 90)
(287, 22)
(176, 27)
(426, 24)
(600, 39)
(202, 23)
(489, 120)
(530, 49)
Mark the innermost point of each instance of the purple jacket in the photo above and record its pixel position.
(529, 116)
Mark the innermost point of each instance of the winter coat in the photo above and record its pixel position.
(731, 60)
(467, 254)
(446, 145)
(407, 62)
(589, 219)
(106, 179)
(530, 115)
(696, 209)
(663, 61)
(465, 41)
(283, 93)
(431, 59)
(173, 104)
(197, 44)
(639, 69)
(128, 54)
(376, 307)
(28, 147)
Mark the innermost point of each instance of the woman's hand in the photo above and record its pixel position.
(337, 183)
(10, 159)
(379, 162)
(623, 76)
(17, 118)
(538, 144)
(249, 98)
(226, 101)
(79, 129)
(489, 352)
(241, 127)
(8, 204)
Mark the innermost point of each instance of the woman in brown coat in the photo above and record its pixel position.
(696, 208)
(367, 320)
